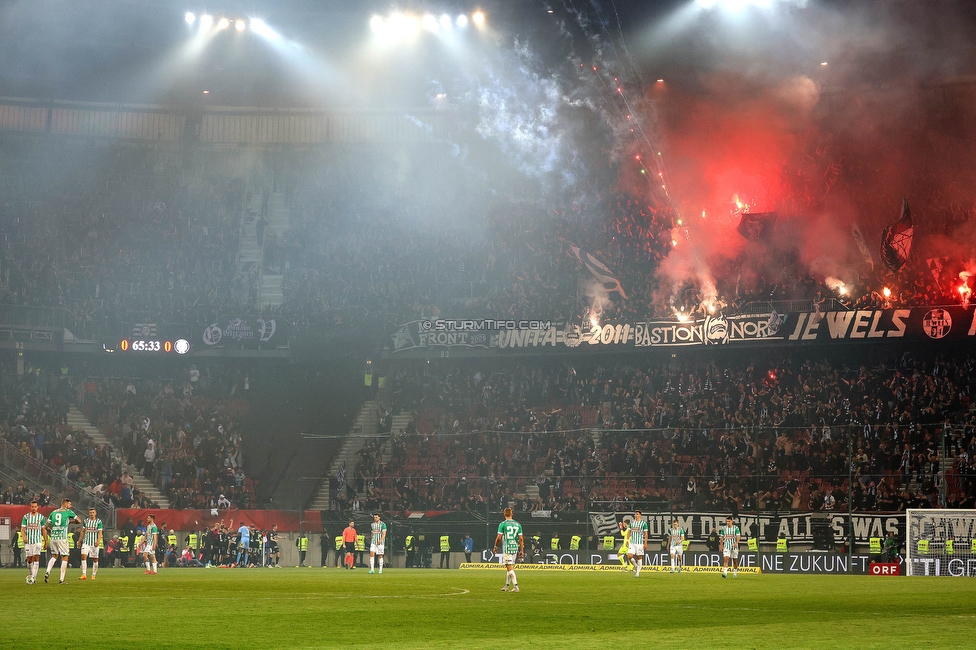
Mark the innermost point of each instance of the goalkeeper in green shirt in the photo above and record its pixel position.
(891, 547)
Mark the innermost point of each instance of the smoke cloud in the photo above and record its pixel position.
(840, 143)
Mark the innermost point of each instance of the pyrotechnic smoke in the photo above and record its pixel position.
(520, 106)
(599, 300)
(818, 153)
(762, 124)
(836, 284)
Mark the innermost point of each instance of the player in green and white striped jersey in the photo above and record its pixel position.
(377, 543)
(676, 537)
(638, 537)
(731, 536)
(91, 544)
(58, 521)
(34, 534)
(148, 548)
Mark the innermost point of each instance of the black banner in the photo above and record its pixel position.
(249, 332)
(798, 527)
(919, 324)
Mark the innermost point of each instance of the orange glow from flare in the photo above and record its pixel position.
(740, 205)
(887, 292)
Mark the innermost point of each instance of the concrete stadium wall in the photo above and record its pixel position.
(220, 125)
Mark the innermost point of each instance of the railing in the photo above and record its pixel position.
(789, 306)
(46, 478)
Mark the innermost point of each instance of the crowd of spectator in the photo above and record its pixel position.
(140, 233)
(777, 435)
(129, 232)
(183, 434)
(33, 413)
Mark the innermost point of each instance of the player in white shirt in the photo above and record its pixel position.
(91, 544)
(377, 542)
(676, 540)
(638, 537)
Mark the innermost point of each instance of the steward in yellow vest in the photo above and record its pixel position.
(445, 552)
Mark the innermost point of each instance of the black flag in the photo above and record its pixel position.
(896, 239)
(756, 226)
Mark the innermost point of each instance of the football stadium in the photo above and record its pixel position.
(488, 323)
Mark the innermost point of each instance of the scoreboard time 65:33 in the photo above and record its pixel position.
(154, 346)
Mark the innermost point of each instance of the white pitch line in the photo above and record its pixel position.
(458, 591)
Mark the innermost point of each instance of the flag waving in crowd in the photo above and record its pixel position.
(896, 240)
(599, 270)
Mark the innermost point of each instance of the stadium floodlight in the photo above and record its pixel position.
(262, 29)
(445, 21)
(376, 24)
(190, 17)
(223, 23)
(413, 26)
(738, 5)
(402, 27)
(240, 25)
(396, 24)
(462, 21)
(206, 21)
(429, 22)
(478, 18)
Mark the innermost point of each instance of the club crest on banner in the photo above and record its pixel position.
(937, 323)
(213, 334)
(716, 329)
(573, 336)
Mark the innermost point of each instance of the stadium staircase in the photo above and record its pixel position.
(400, 422)
(77, 420)
(365, 426)
(278, 218)
(16, 467)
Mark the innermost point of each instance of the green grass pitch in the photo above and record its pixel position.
(306, 608)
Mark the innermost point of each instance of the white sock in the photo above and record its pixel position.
(514, 579)
(155, 567)
(64, 568)
(148, 566)
(50, 565)
(33, 568)
(672, 561)
(372, 562)
(84, 567)
(639, 562)
(94, 568)
(381, 563)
